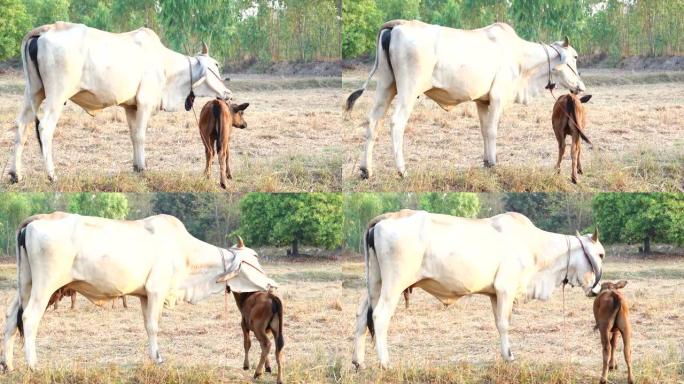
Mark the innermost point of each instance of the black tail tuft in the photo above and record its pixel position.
(370, 238)
(369, 321)
(40, 141)
(277, 309)
(351, 100)
(20, 320)
(216, 109)
(385, 43)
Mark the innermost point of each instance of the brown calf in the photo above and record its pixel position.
(64, 292)
(215, 125)
(569, 119)
(611, 312)
(262, 312)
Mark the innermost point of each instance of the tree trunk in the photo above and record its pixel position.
(647, 244)
(295, 247)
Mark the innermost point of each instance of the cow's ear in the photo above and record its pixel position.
(585, 98)
(620, 284)
(566, 42)
(226, 276)
(242, 107)
(205, 48)
(595, 235)
(240, 243)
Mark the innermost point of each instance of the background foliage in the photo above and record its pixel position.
(338, 221)
(614, 27)
(238, 32)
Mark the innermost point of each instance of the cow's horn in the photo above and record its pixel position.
(240, 244)
(205, 49)
(595, 235)
(566, 42)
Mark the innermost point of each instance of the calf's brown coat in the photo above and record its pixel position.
(569, 119)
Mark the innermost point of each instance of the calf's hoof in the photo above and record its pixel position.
(223, 185)
(603, 381)
(365, 174)
(257, 374)
(613, 367)
(574, 180)
(245, 367)
(268, 369)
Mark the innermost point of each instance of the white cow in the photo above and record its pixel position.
(96, 70)
(102, 259)
(504, 257)
(491, 66)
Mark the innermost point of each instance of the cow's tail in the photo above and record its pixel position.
(216, 110)
(29, 59)
(369, 244)
(571, 108)
(23, 273)
(277, 310)
(384, 36)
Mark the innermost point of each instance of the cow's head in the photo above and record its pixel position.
(566, 72)
(587, 263)
(243, 271)
(237, 112)
(209, 82)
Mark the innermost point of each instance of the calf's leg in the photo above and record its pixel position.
(265, 343)
(247, 343)
(627, 345)
(613, 346)
(575, 156)
(561, 153)
(605, 343)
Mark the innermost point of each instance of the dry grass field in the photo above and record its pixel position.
(292, 143)
(428, 342)
(634, 120)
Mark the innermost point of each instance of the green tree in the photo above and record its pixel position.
(455, 204)
(361, 20)
(556, 212)
(640, 217)
(108, 205)
(14, 24)
(292, 219)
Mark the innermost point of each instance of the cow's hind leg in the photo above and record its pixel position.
(10, 332)
(383, 99)
(26, 116)
(46, 129)
(359, 354)
(32, 315)
(382, 313)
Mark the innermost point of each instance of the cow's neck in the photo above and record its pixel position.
(177, 69)
(552, 261)
(204, 265)
(535, 70)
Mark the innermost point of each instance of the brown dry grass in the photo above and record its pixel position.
(292, 143)
(428, 343)
(634, 121)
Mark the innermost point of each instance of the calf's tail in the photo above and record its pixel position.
(571, 108)
(216, 109)
(277, 309)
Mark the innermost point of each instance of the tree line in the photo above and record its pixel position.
(238, 32)
(337, 221)
(616, 28)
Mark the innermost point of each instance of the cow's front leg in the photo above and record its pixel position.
(359, 354)
(10, 333)
(489, 124)
(151, 307)
(504, 305)
(137, 124)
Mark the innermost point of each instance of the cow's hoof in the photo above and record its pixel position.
(357, 366)
(488, 164)
(14, 177)
(138, 169)
(52, 178)
(4, 368)
(268, 369)
(402, 174)
(365, 174)
(159, 359)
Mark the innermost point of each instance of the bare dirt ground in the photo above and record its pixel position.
(292, 142)
(428, 342)
(634, 121)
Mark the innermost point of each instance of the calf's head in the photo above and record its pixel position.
(609, 285)
(237, 111)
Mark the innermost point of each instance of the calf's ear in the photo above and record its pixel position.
(621, 284)
(585, 98)
(242, 107)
